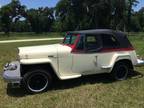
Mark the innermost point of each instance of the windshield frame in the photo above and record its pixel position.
(71, 40)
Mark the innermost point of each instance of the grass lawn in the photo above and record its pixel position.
(87, 92)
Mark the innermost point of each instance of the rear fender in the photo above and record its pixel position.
(115, 58)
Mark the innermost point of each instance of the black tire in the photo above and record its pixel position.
(37, 81)
(120, 71)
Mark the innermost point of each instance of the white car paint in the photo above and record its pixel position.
(95, 63)
(58, 55)
(68, 65)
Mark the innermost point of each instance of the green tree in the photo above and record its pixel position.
(130, 4)
(141, 18)
(20, 26)
(65, 15)
(118, 14)
(11, 12)
(6, 19)
(83, 14)
(135, 24)
(40, 19)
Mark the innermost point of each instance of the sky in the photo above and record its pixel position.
(52, 3)
(33, 3)
(139, 6)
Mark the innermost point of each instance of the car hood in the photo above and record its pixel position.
(43, 51)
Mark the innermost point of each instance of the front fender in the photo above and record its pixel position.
(53, 62)
(34, 61)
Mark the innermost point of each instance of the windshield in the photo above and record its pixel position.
(70, 39)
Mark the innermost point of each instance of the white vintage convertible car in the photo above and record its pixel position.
(81, 53)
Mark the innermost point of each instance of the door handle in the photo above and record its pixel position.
(95, 61)
(52, 56)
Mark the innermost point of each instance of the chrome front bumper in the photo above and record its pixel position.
(12, 74)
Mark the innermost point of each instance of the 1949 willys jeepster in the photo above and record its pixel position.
(81, 53)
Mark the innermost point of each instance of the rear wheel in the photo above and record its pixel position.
(37, 81)
(120, 71)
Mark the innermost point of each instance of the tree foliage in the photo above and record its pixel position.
(11, 13)
(72, 15)
(85, 14)
(40, 19)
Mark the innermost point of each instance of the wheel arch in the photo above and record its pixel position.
(119, 58)
(46, 66)
(128, 62)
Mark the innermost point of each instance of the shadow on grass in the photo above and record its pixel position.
(16, 92)
(135, 75)
(67, 84)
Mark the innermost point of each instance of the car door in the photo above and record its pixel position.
(86, 55)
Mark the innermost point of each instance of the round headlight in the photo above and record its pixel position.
(10, 66)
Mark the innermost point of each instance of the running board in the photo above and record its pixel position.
(65, 77)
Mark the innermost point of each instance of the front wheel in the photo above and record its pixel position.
(120, 71)
(37, 81)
